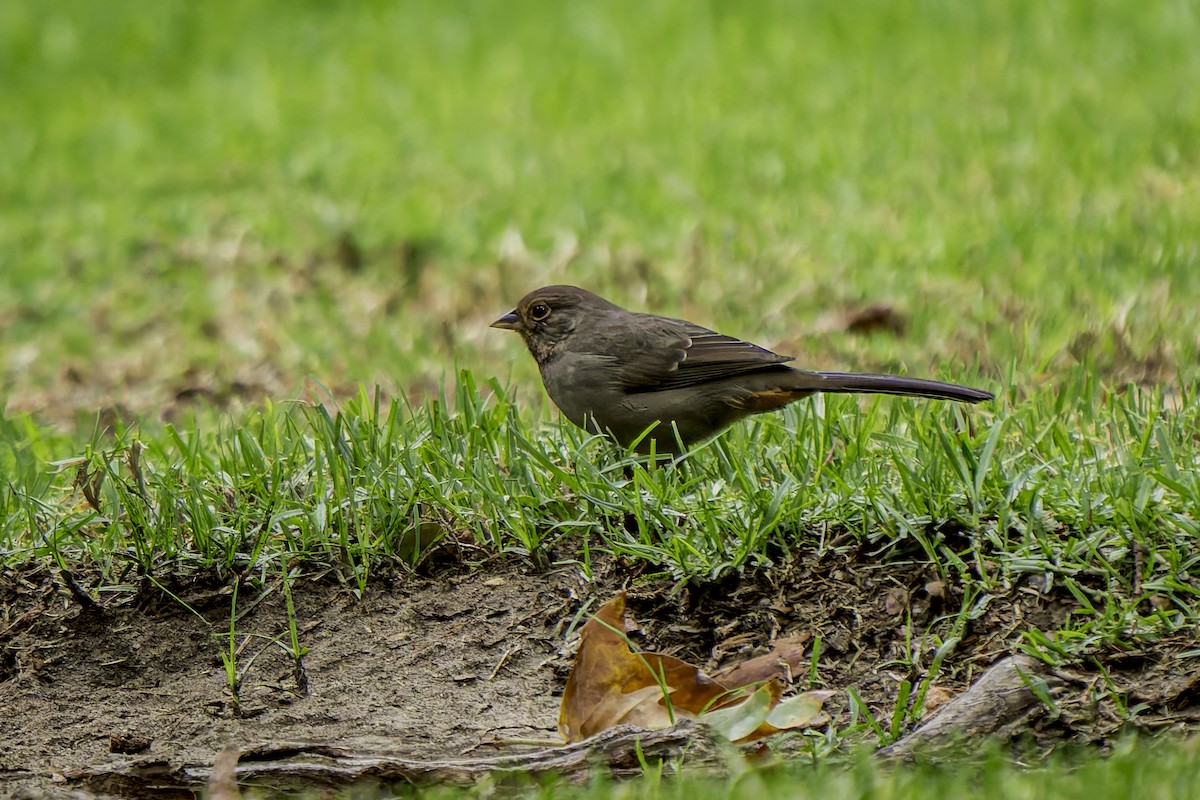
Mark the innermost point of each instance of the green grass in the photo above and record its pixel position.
(988, 498)
(1136, 768)
(207, 210)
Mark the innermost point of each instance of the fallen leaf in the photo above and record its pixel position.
(738, 721)
(785, 658)
(416, 541)
(895, 601)
(764, 714)
(804, 710)
(612, 685)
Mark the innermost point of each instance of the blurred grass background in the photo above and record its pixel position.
(220, 201)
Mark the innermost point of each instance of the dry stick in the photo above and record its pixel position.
(304, 765)
(1000, 702)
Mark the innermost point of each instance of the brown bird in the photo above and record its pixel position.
(626, 374)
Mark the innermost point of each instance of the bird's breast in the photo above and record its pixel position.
(580, 385)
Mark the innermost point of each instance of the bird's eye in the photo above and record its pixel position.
(539, 311)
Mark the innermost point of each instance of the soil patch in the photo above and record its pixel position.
(471, 659)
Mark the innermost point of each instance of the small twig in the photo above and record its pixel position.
(503, 660)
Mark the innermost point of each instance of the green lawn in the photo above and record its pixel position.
(1172, 772)
(208, 210)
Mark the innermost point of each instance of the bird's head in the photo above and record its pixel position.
(546, 317)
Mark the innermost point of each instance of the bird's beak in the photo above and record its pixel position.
(509, 322)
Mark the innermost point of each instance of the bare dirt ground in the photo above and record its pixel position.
(468, 659)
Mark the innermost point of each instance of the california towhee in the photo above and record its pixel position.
(613, 371)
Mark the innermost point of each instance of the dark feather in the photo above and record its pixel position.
(675, 353)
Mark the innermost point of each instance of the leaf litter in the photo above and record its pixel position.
(612, 685)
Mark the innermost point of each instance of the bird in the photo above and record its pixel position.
(662, 385)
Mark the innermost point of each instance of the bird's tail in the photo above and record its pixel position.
(849, 382)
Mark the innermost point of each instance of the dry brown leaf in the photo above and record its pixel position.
(784, 660)
(611, 685)
(895, 601)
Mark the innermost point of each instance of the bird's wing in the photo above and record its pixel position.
(672, 353)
